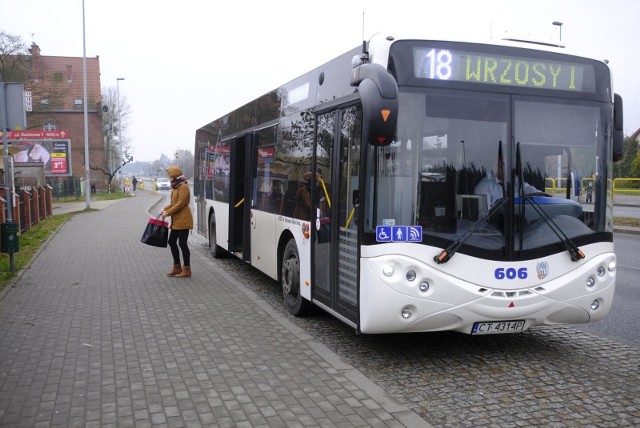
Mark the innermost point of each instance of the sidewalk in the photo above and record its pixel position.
(93, 333)
(70, 207)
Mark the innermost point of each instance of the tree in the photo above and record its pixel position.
(13, 62)
(635, 164)
(629, 165)
(17, 65)
(117, 147)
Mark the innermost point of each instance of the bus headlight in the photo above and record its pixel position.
(406, 312)
(601, 271)
(591, 281)
(424, 286)
(595, 305)
(411, 275)
(612, 266)
(387, 270)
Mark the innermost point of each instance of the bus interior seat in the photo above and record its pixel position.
(471, 207)
(436, 206)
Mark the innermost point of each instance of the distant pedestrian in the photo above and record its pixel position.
(134, 181)
(589, 193)
(181, 222)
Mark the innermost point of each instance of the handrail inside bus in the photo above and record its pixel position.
(353, 210)
(239, 203)
(326, 194)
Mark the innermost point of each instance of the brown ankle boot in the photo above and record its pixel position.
(175, 271)
(186, 271)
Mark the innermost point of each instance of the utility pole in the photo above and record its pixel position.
(12, 116)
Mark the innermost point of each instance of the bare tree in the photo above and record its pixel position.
(117, 147)
(17, 65)
(13, 63)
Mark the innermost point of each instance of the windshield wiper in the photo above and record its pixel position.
(574, 252)
(449, 252)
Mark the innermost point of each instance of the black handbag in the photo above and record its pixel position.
(156, 233)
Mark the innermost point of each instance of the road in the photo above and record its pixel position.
(547, 376)
(623, 322)
(626, 211)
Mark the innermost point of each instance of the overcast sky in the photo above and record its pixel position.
(188, 62)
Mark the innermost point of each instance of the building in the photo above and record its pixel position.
(56, 85)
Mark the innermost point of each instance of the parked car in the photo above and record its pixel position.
(162, 183)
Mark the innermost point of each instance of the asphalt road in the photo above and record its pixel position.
(623, 322)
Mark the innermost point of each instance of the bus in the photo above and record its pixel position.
(361, 186)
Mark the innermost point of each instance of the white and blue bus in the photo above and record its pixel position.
(358, 186)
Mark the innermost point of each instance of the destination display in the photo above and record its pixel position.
(474, 67)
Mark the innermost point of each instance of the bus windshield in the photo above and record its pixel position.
(455, 158)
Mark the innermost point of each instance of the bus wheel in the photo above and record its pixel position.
(290, 277)
(216, 250)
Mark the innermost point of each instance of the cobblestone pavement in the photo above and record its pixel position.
(94, 334)
(547, 376)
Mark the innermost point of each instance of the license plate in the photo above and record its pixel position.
(497, 327)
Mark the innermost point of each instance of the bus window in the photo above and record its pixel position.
(293, 157)
(264, 175)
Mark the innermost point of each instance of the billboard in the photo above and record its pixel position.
(53, 148)
(55, 154)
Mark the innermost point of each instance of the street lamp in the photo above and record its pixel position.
(87, 173)
(116, 117)
(559, 24)
(118, 91)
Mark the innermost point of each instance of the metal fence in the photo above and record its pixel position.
(65, 187)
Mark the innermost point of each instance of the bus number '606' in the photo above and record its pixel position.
(511, 273)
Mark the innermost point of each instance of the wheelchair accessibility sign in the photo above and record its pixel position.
(399, 233)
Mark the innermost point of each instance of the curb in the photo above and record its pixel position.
(629, 230)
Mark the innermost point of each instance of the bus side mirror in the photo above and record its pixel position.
(618, 132)
(379, 96)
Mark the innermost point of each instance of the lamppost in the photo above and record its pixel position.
(559, 24)
(87, 173)
(118, 91)
(117, 116)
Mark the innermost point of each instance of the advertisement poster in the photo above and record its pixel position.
(55, 154)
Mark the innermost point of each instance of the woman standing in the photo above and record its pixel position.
(181, 222)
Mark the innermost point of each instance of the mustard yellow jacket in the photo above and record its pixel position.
(179, 209)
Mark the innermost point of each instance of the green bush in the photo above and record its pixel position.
(29, 243)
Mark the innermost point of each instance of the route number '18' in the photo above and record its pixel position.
(439, 64)
(511, 273)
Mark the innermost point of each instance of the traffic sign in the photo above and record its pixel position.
(37, 135)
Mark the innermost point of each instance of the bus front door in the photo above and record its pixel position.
(335, 255)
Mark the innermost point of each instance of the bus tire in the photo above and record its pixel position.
(290, 279)
(216, 250)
